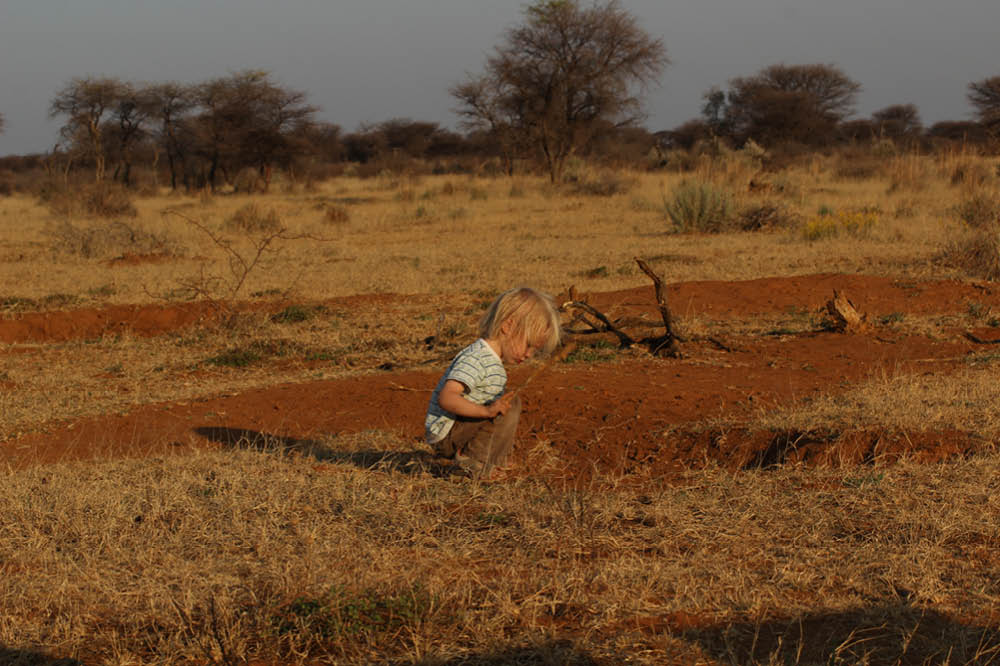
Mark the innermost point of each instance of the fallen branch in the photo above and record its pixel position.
(624, 339)
(666, 344)
(980, 341)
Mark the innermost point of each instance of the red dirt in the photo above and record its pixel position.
(639, 413)
(141, 320)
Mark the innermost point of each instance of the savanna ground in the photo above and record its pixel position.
(211, 424)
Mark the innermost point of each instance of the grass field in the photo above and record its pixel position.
(266, 551)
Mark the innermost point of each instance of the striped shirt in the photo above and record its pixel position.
(482, 373)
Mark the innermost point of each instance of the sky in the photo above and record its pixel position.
(365, 61)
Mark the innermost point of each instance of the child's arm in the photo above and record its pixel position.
(452, 398)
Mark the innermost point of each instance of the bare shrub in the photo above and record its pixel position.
(258, 235)
(7, 181)
(248, 181)
(108, 200)
(604, 185)
(108, 240)
(765, 216)
(978, 253)
(908, 172)
(971, 174)
(979, 211)
(860, 169)
(104, 200)
(252, 219)
(337, 215)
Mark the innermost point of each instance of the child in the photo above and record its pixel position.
(470, 420)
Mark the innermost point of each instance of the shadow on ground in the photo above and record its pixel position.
(891, 633)
(15, 657)
(407, 462)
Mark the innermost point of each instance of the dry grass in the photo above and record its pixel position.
(120, 371)
(446, 234)
(353, 552)
(905, 400)
(249, 553)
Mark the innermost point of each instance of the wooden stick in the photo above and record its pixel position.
(623, 338)
(669, 341)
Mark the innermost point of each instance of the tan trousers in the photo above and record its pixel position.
(487, 442)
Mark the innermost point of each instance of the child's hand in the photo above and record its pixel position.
(501, 405)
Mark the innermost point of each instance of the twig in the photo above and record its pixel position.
(980, 341)
(669, 340)
(399, 387)
(566, 350)
(623, 338)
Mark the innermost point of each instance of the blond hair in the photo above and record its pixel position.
(532, 313)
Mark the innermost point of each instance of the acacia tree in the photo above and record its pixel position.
(985, 97)
(85, 102)
(1, 123)
(559, 76)
(170, 104)
(802, 103)
(898, 121)
(248, 120)
(125, 129)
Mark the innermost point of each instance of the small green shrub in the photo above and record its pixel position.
(235, 358)
(339, 614)
(258, 350)
(595, 352)
(294, 314)
(699, 207)
(891, 318)
(596, 272)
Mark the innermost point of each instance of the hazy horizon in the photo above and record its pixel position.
(365, 62)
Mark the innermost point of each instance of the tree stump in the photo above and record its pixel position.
(846, 318)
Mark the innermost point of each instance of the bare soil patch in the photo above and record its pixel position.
(628, 413)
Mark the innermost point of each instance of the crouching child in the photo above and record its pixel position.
(471, 418)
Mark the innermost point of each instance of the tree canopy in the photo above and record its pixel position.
(984, 95)
(800, 103)
(558, 76)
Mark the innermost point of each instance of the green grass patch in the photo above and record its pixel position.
(343, 614)
(254, 352)
(295, 314)
(595, 352)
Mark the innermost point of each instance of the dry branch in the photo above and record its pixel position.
(666, 344)
(605, 326)
(980, 341)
